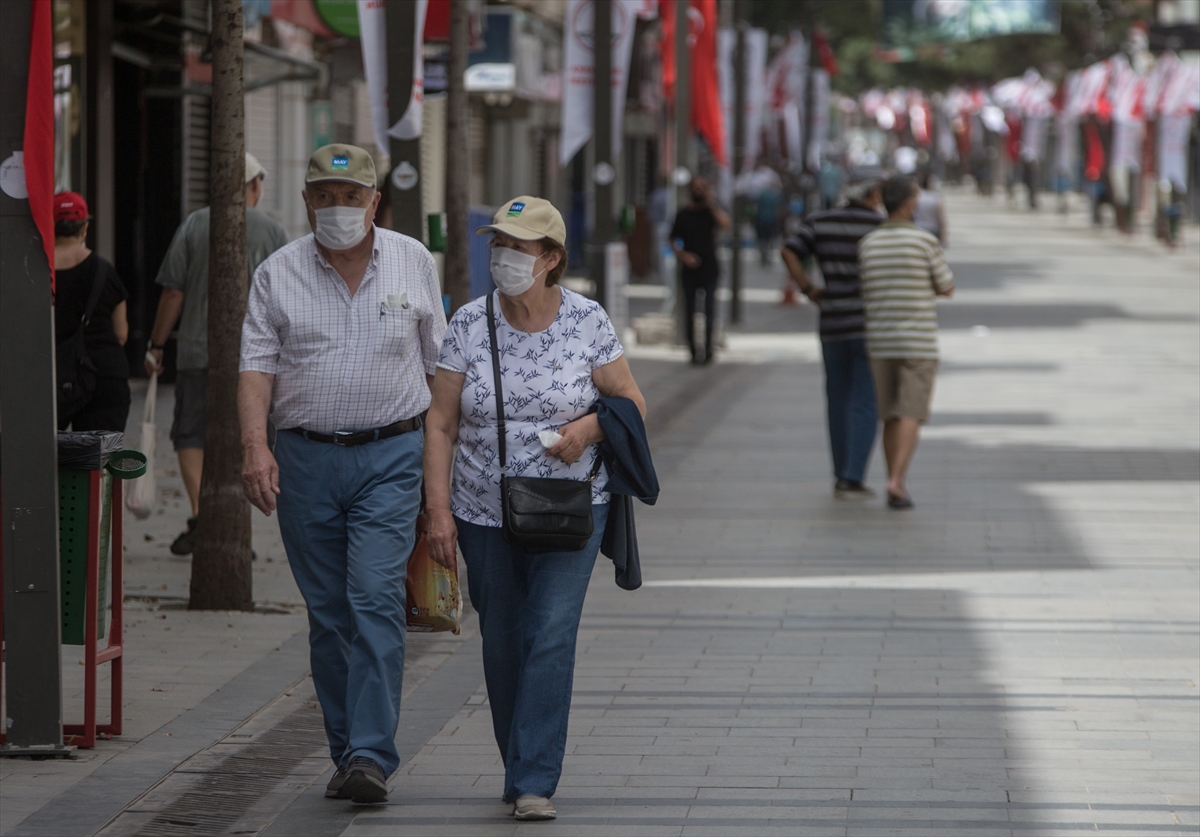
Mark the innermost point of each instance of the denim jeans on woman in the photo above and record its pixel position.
(850, 392)
(529, 605)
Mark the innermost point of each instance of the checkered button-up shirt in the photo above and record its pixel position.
(345, 362)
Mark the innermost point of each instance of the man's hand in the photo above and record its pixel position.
(576, 436)
(154, 361)
(814, 293)
(441, 536)
(260, 477)
(689, 259)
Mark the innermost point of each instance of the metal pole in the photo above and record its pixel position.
(405, 177)
(458, 277)
(28, 449)
(683, 100)
(603, 173)
(735, 159)
(809, 101)
(683, 142)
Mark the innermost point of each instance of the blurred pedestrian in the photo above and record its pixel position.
(769, 210)
(694, 240)
(930, 214)
(832, 238)
(90, 296)
(903, 272)
(831, 178)
(561, 356)
(339, 346)
(184, 280)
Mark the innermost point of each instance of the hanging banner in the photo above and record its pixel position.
(756, 91)
(707, 118)
(579, 49)
(372, 22)
(38, 134)
(754, 63)
(820, 118)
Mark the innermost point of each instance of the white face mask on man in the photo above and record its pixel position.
(340, 227)
(512, 270)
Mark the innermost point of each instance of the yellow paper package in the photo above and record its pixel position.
(433, 601)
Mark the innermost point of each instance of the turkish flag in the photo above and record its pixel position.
(39, 128)
(707, 116)
(825, 52)
(666, 13)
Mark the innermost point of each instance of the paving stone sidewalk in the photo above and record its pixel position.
(1018, 655)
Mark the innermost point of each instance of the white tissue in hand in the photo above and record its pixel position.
(549, 438)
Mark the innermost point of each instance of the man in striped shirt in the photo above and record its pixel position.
(903, 272)
(832, 238)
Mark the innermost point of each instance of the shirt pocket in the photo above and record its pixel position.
(397, 329)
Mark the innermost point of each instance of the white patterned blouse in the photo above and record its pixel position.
(547, 382)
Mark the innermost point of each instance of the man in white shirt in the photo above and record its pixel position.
(339, 345)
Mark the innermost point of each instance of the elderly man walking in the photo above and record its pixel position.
(184, 280)
(339, 346)
(832, 237)
(903, 272)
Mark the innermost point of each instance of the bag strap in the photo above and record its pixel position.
(491, 315)
(94, 299)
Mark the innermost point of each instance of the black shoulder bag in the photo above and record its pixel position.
(75, 374)
(539, 513)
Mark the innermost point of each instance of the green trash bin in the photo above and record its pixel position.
(73, 509)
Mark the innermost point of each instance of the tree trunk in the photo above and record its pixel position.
(458, 143)
(221, 577)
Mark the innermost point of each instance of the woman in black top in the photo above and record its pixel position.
(77, 268)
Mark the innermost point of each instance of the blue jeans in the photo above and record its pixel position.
(347, 516)
(529, 605)
(850, 393)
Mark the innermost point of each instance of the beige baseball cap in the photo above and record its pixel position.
(253, 167)
(528, 219)
(342, 163)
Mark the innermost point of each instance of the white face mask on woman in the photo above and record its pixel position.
(512, 270)
(340, 227)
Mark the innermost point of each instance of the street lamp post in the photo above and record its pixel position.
(27, 445)
(603, 172)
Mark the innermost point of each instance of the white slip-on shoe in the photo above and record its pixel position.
(534, 808)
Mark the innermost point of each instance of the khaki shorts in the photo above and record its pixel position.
(904, 386)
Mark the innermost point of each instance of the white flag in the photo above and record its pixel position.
(372, 25)
(580, 67)
(755, 63)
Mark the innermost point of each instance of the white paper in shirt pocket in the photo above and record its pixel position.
(396, 302)
(549, 438)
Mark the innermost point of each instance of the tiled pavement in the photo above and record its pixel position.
(1018, 655)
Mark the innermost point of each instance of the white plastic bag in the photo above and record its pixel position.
(140, 493)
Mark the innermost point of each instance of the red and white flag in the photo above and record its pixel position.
(37, 159)
(580, 65)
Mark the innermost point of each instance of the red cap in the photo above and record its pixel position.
(70, 206)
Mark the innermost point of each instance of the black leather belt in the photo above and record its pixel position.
(349, 440)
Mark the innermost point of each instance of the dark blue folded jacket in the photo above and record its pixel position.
(626, 454)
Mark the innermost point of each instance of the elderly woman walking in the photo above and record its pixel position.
(552, 354)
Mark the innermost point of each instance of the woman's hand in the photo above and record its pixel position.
(442, 537)
(576, 436)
